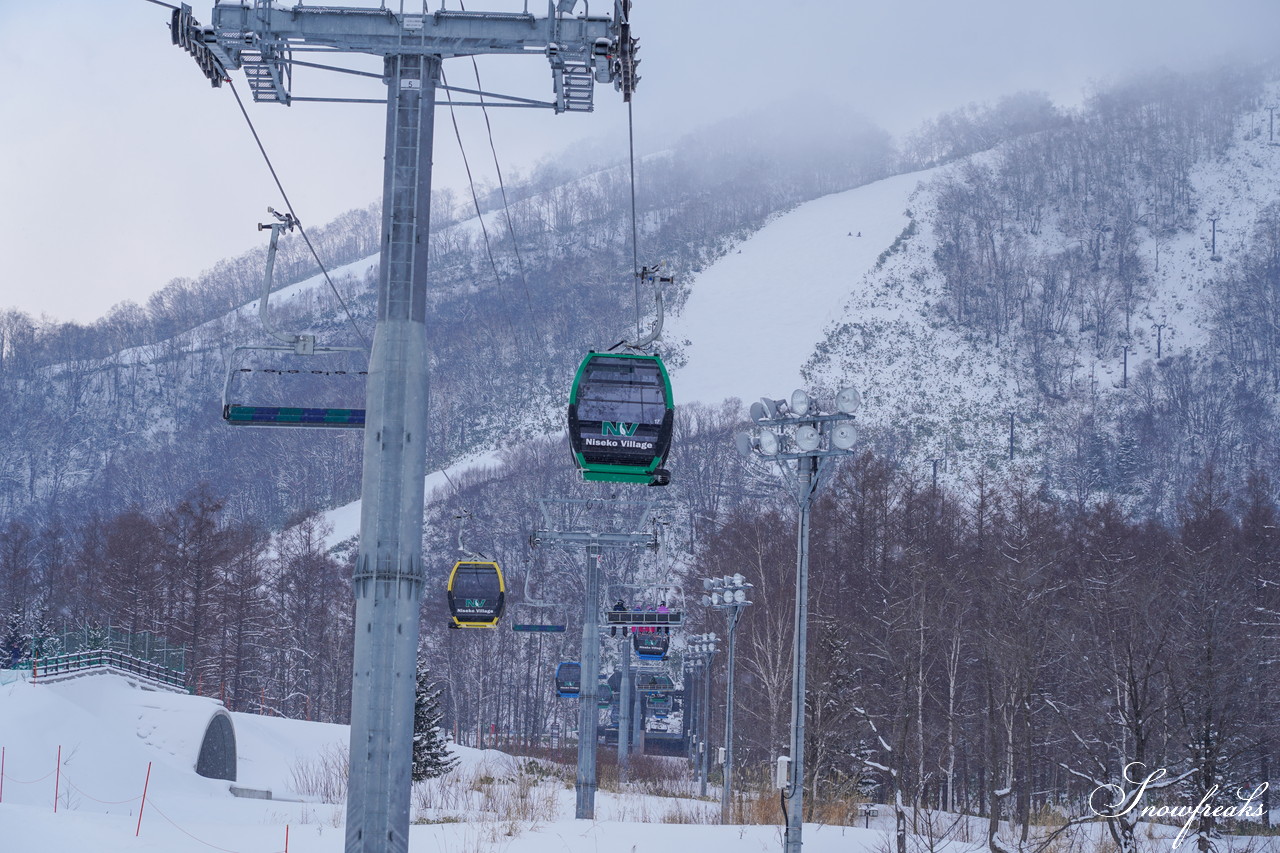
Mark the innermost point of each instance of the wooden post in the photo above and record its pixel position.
(57, 779)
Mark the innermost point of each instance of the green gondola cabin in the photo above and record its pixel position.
(620, 418)
(568, 679)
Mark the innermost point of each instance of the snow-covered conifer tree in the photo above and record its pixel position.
(431, 756)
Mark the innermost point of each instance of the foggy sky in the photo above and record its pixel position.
(121, 168)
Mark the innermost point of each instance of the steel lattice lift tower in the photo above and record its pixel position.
(265, 39)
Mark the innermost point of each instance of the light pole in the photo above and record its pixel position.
(729, 594)
(625, 689)
(704, 647)
(808, 438)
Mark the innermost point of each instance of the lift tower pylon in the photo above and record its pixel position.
(594, 542)
(265, 39)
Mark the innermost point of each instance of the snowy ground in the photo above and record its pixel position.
(109, 731)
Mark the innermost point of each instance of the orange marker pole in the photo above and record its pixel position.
(145, 783)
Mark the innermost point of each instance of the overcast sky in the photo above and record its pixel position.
(121, 168)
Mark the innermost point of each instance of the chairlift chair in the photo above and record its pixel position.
(530, 601)
(538, 627)
(266, 382)
(259, 387)
(645, 618)
(652, 683)
(620, 418)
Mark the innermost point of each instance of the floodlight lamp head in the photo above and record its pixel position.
(708, 583)
(848, 400)
(800, 402)
(740, 595)
(746, 443)
(739, 580)
(844, 436)
(715, 599)
(772, 407)
(706, 601)
(769, 443)
(808, 438)
(758, 412)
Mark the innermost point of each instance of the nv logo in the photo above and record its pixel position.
(619, 428)
(475, 602)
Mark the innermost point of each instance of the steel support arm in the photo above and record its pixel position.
(381, 32)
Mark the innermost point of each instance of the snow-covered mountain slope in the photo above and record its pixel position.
(1234, 189)
(345, 520)
(936, 390)
(845, 290)
(919, 375)
(753, 318)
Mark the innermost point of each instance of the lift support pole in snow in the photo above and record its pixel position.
(588, 709)
(264, 39)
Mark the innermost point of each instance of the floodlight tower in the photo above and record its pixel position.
(729, 594)
(701, 649)
(795, 430)
(264, 39)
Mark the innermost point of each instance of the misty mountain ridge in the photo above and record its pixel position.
(936, 333)
(1000, 299)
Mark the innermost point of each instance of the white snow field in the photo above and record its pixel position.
(754, 317)
(110, 730)
(107, 731)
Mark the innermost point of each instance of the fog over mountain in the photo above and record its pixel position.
(158, 176)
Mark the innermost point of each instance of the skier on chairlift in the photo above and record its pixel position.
(619, 607)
